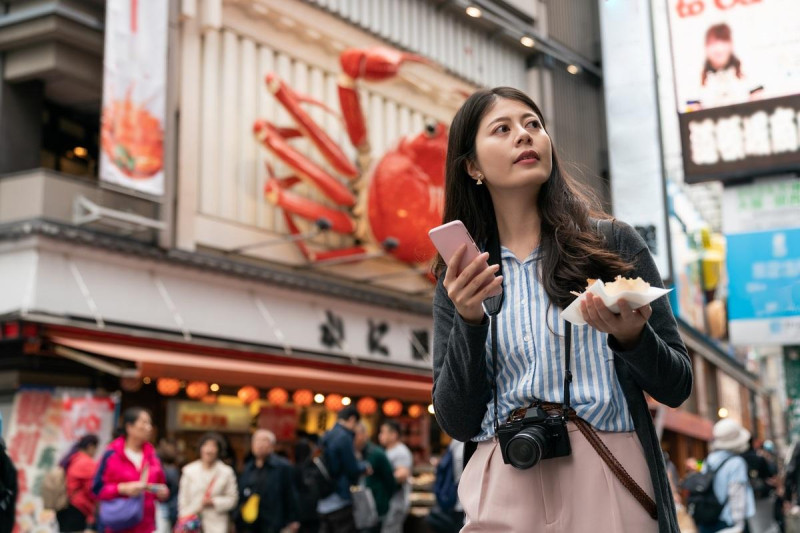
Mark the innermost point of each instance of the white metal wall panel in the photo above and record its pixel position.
(418, 26)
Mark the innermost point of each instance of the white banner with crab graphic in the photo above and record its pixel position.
(134, 95)
(45, 423)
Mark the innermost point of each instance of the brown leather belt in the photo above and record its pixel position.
(602, 450)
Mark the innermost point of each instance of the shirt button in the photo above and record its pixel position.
(526, 338)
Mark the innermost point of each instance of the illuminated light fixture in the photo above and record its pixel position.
(80, 151)
(723, 413)
(168, 386)
(334, 402)
(277, 396)
(474, 12)
(146, 380)
(302, 397)
(214, 387)
(573, 69)
(430, 408)
(346, 400)
(392, 408)
(367, 406)
(247, 394)
(196, 389)
(319, 398)
(527, 41)
(402, 213)
(416, 410)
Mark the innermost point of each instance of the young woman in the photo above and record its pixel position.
(504, 181)
(208, 486)
(722, 81)
(132, 468)
(79, 466)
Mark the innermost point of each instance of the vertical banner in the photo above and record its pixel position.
(633, 125)
(737, 83)
(45, 423)
(134, 95)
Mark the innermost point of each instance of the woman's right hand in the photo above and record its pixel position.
(469, 288)
(132, 488)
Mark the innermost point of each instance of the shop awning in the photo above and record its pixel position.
(681, 421)
(155, 363)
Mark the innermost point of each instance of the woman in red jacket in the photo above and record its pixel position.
(131, 455)
(79, 466)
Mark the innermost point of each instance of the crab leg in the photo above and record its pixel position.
(300, 206)
(270, 136)
(290, 100)
(375, 64)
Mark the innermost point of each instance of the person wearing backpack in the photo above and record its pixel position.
(448, 514)
(731, 496)
(77, 513)
(338, 453)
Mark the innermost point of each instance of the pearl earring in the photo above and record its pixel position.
(480, 179)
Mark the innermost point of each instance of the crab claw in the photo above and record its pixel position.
(375, 64)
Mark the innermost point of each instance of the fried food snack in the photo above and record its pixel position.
(621, 284)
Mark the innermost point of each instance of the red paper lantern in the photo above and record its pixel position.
(196, 389)
(277, 396)
(303, 397)
(168, 386)
(392, 408)
(415, 411)
(367, 406)
(334, 402)
(248, 394)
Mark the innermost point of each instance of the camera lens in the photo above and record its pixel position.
(525, 449)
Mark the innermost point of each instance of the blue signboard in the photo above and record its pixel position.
(764, 279)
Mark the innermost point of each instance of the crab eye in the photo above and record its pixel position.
(430, 129)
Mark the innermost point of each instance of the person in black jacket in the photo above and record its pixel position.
(543, 239)
(336, 510)
(269, 478)
(8, 489)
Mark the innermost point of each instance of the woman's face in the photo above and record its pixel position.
(142, 428)
(513, 149)
(209, 451)
(718, 52)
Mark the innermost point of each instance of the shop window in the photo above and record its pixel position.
(70, 139)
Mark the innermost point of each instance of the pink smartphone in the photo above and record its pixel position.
(449, 237)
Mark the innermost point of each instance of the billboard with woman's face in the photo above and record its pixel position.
(737, 85)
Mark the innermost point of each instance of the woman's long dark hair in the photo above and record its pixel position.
(572, 250)
(721, 32)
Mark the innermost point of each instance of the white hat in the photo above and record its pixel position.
(730, 436)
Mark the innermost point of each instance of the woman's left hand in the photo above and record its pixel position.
(626, 326)
(162, 493)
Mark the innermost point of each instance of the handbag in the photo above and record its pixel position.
(193, 523)
(365, 512)
(123, 512)
(249, 509)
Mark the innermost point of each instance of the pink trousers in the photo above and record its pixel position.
(572, 494)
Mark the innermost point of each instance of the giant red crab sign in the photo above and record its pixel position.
(395, 205)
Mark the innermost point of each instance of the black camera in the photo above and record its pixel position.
(532, 435)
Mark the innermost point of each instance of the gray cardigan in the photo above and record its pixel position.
(658, 365)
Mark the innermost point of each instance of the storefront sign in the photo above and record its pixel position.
(764, 274)
(764, 205)
(196, 416)
(45, 423)
(791, 367)
(280, 420)
(737, 77)
(134, 95)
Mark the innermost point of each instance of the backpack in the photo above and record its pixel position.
(54, 489)
(316, 478)
(703, 505)
(445, 487)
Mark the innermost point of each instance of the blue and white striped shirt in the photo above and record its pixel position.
(530, 358)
